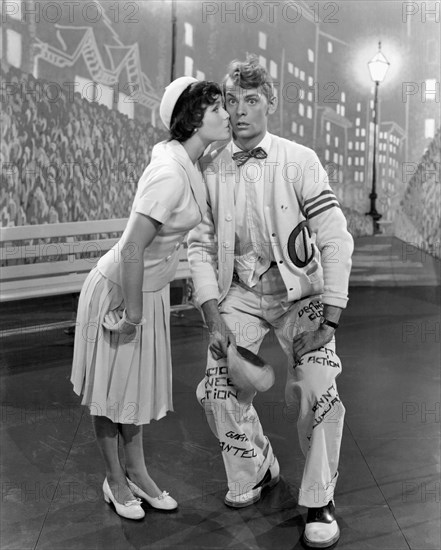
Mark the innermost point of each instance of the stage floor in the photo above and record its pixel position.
(388, 494)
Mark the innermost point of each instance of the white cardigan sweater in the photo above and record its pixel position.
(309, 236)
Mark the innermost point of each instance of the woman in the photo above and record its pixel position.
(122, 361)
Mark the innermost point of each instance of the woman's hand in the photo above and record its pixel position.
(310, 341)
(116, 321)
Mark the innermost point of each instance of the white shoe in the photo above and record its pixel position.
(131, 509)
(321, 530)
(163, 502)
(241, 500)
(271, 478)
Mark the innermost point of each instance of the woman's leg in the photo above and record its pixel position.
(134, 459)
(106, 433)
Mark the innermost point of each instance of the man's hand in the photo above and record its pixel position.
(309, 341)
(220, 339)
(220, 336)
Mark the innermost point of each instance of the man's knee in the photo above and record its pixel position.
(313, 384)
(317, 368)
(217, 386)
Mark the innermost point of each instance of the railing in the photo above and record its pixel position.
(53, 259)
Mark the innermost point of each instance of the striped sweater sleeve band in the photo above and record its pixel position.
(320, 203)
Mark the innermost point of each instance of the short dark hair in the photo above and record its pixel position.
(190, 108)
(250, 74)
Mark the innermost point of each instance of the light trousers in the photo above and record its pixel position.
(310, 392)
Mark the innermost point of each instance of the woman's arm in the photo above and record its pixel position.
(140, 232)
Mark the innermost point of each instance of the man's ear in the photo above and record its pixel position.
(272, 105)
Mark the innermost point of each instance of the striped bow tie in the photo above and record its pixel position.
(242, 156)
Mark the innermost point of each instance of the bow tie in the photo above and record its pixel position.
(242, 156)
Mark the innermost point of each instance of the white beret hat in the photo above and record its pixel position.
(171, 95)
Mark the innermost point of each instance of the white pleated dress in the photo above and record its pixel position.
(130, 382)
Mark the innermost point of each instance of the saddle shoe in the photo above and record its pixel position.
(321, 530)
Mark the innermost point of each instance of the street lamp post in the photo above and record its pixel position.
(173, 40)
(378, 67)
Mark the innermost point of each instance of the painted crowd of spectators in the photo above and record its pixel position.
(64, 158)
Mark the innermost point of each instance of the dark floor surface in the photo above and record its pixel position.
(388, 495)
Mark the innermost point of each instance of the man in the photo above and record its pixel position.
(273, 251)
